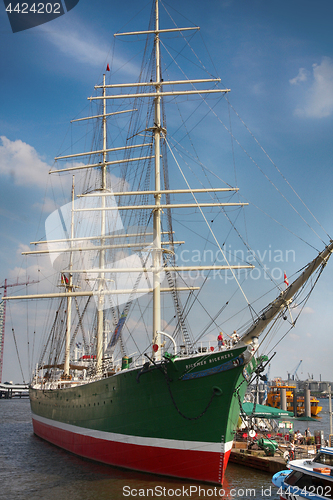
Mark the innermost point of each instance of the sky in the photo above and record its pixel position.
(277, 59)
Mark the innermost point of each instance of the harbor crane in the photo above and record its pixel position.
(3, 317)
(294, 375)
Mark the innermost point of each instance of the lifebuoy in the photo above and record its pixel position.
(322, 470)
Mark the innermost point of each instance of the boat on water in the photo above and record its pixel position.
(307, 478)
(172, 406)
(274, 399)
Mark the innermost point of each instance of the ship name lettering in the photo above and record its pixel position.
(218, 358)
(194, 365)
(221, 358)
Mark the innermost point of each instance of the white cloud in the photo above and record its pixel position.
(49, 204)
(38, 275)
(21, 161)
(301, 77)
(307, 310)
(318, 101)
(80, 43)
(258, 89)
(22, 248)
(26, 167)
(9, 215)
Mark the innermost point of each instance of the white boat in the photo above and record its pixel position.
(312, 479)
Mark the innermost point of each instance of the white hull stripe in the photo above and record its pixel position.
(136, 440)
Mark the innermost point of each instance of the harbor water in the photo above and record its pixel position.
(30, 468)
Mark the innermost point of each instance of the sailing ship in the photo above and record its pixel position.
(172, 407)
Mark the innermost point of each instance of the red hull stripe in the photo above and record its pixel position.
(179, 462)
(139, 440)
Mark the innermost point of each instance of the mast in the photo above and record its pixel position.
(100, 311)
(69, 288)
(157, 211)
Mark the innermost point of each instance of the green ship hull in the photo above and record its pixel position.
(176, 418)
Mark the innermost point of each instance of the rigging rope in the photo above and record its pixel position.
(264, 174)
(18, 356)
(210, 229)
(186, 152)
(305, 301)
(252, 159)
(265, 152)
(282, 175)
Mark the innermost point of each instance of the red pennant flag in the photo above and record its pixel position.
(64, 279)
(108, 68)
(286, 279)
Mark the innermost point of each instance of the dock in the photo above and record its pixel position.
(257, 459)
(9, 391)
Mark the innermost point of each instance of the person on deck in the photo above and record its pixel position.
(300, 437)
(234, 338)
(292, 451)
(220, 341)
(307, 436)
